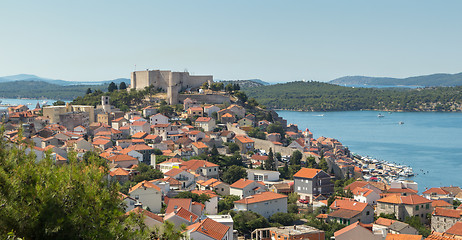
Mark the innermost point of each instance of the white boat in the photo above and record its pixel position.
(400, 123)
(380, 115)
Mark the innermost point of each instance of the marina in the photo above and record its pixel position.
(382, 171)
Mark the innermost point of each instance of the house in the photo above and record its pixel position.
(120, 175)
(180, 215)
(139, 126)
(206, 123)
(209, 110)
(245, 144)
(143, 149)
(199, 148)
(438, 194)
(148, 194)
(102, 143)
(209, 229)
(394, 226)
(245, 122)
(310, 182)
(169, 164)
(264, 203)
(149, 111)
(195, 111)
(129, 203)
(246, 187)
(186, 179)
(227, 118)
(263, 175)
(402, 191)
(215, 185)
(150, 219)
(405, 206)
(362, 184)
(195, 135)
(211, 205)
(158, 119)
(284, 188)
(237, 110)
(441, 204)
(392, 236)
(301, 144)
(443, 219)
(357, 231)
(201, 167)
(123, 160)
(288, 232)
(119, 122)
(366, 195)
(347, 211)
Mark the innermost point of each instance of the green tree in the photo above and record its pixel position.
(112, 87)
(233, 174)
(43, 201)
(88, 91)
(246, 222)
(285, 219)
(147, 172)
(241, 96)
(269, 163)
(323, 165)
(227, 203)
(168, 231)
(296, 157)
(276, 128)
(59, 103)
(122, 86)
(229, 88)
(233, 147)
(202, 198)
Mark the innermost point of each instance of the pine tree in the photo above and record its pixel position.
(112, 87)
(269, 163)
(122, 86)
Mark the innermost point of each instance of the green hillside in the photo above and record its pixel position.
(317, 96)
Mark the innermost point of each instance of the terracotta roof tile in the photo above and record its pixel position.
(146, 213)
(391, 236)
(211, 228)
(144, 184)
(178, 202)
(261, 197)
(444, 212)
(307, 173)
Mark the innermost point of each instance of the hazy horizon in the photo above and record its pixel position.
(273, 41)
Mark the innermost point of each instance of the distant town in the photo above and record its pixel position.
(216, 164)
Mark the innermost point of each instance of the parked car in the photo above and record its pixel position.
(304, 201)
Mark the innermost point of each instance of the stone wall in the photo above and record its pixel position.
(205, 98)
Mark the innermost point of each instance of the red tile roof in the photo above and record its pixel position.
(384, 221)
(119, 172)
(440, 203)
(261, 197)
(408, 200)
(444, 212)
(307, 173)
(241, 183)
(210, 228)
(195, 164)
(209, 193)
(438, 191)
(178, 202)
(144, 184)
(121, 157)
(203, 119)
(348, 204)
(244, 139)
(391, 236)
(456, 229)
(146, 213)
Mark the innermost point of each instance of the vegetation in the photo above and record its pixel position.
(227, 203)
(147, 172)
(233, 174)
(45, 201)
(317, 96)
(415, 223)
(284, 219)
(246, 222)
(195, 197)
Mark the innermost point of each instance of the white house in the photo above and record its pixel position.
(150, 219)
(148, 194)
(263, 175)
(139, 126)
(206, 123)
(158, 119)
(265, 203)
(211, 206)
(209, 229)
(186, 179)
(246, 187)
(211, 109)
(366, 195)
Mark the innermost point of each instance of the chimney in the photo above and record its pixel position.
(175, 209)
(190, 219)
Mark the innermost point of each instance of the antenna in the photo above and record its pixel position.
(135, 68)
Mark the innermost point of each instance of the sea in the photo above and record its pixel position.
(429, 142)
(30, 103)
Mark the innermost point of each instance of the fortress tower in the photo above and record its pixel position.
(171, 82)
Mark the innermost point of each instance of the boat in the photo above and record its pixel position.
(400, 123)
(380, 115)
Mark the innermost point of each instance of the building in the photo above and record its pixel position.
(201, 167)
(357, 231)
(148, 194)
(393, 226)
(265, 203)
(366, 195)
(53, 112)
(209, 229)
(245, 144)
(310, 182)
(288, 233)
(172, 82)
(347, 211)
(405, 206)
(263, 175)
(246, 187)
(206, 123)
(443, 219)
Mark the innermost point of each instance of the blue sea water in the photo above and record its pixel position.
(429, 142)
(30, 103)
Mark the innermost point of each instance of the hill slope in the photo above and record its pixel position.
(318, 96)
(439, 79)
(29, 77)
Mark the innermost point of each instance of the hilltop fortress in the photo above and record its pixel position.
(172, 82)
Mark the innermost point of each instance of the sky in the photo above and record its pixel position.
(276, 41)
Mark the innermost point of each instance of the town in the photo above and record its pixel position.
(204, 157)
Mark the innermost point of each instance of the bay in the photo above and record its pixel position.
(30, 103)
(429, 142)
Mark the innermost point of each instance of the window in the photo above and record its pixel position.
(367, 213)
(417, 208)
(427, 206)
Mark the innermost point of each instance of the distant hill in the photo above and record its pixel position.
(29, 77)
(250, 83)
(42, 89)
(433, 80)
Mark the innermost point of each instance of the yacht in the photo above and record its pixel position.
(380, 115)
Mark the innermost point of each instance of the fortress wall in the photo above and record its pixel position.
(142, 79)
(205, 98)
(197, 81)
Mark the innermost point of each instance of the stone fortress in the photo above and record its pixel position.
(172, 82)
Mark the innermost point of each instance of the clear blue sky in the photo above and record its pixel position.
(276, 41)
